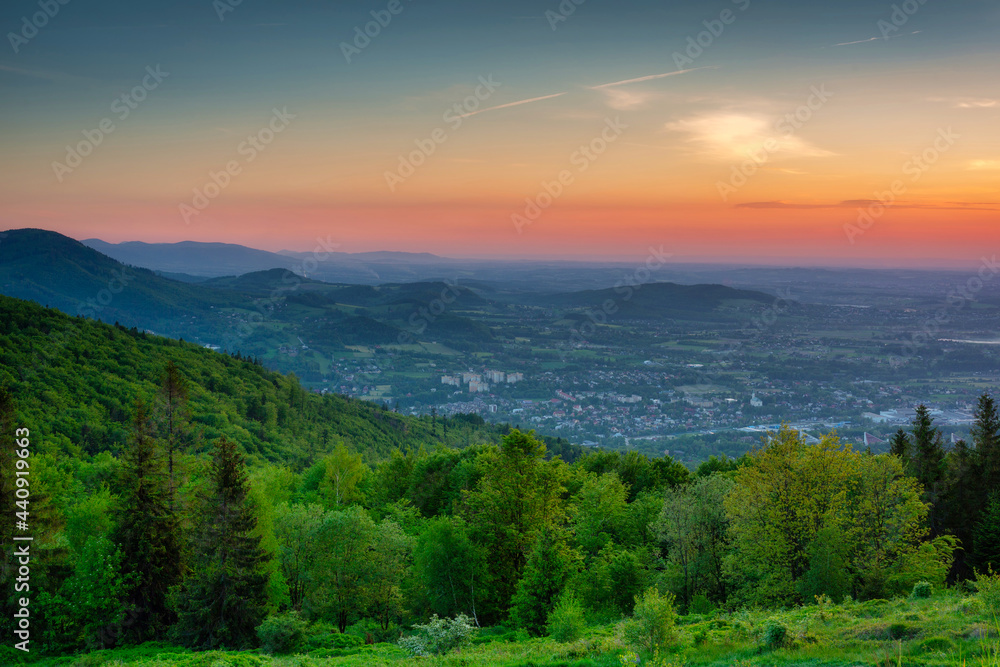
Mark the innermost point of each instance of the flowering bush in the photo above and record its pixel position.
(440, 635)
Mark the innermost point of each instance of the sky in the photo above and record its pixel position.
(754, 131)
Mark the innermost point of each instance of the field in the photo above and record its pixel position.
(946, 630)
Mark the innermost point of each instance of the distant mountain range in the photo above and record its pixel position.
(189, 260)
(271, 308)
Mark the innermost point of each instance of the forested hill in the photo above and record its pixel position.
(76, 383)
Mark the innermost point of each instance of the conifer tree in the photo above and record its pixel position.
(986, 536)
(173, 402)
(147, 533)
(928, 465)
(900, 446)
(986, 438)
(225, 598)
(928, 451)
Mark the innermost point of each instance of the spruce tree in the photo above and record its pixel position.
(928, 450)
(986, 536)
(173, 402)
(986, 438)
(147, 533)
(225, 598)
(900, 446)
(928, 465)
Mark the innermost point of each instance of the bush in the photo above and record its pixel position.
(283, 633)
(936, 645)
(371, 631)
(700, 604)
(774, 636)
(922, 590)
(988, 590)
(652, 624)
(333, 641)
(439, 636)
(898, 631)
(565, 623)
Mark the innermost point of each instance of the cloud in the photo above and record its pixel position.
(623, 100)
(733, 136)
(879, 39)
(860, 41)
(648, 78)
(510, 104)
(984, 165)
(967, 102)
(862, 203)
(55, 77)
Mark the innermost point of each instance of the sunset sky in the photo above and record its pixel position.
(762, 144)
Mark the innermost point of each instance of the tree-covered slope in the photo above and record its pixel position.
(57, 271)
(76, 382)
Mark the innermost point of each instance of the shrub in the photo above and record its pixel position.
(439, 636)
(565, 623)
(652, 624)
(922, 590)
(774, 635)
(700, 604)
(898, 631)
(971, 606)
(333, 641)
(936, 645)
(988, 590)
(371, 631)
(282, 633)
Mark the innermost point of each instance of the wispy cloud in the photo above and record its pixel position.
(856, 203)
(967, 102)
(511, 104)
(55, 77)
(624, 100)
(648, 78)
(878, 39)
(732, 136)
(859, 41)
(984, 165)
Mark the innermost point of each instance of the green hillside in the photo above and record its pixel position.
(57, 271)
(81, 378)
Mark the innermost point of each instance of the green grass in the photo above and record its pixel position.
(945, 630)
